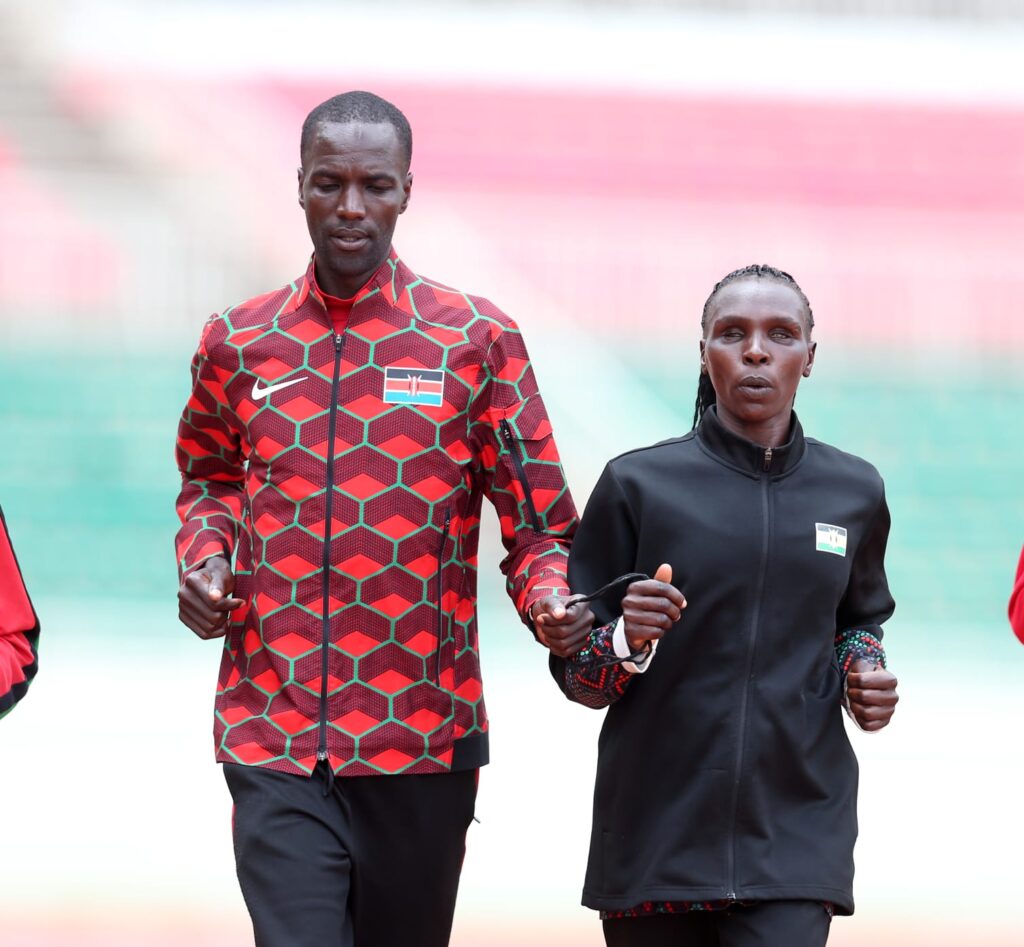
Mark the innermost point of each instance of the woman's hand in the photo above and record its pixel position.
(871, 692)
(651, 607)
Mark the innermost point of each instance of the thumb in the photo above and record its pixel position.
(222, 581)
(664, 573)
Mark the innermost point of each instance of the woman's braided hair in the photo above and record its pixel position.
(705, 390)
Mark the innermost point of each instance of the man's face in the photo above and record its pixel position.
(353, 184)
(756, 348)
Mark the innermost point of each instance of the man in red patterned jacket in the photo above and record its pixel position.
(19, 628)
(341, 434)
(1016, 609)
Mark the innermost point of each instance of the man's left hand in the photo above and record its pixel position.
(562, 626)
(871, 691)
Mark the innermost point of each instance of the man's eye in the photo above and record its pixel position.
(327, 187)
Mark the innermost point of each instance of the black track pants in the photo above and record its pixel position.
(373, 863)
(766, 924)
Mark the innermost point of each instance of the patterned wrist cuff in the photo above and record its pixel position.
(856, 643)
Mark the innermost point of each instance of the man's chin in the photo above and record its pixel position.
(348, 268)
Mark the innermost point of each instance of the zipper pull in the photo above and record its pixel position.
(337, 344)
(328, 772)
(768, 459)
(447, 519)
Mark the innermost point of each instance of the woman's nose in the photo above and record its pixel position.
(756, 353)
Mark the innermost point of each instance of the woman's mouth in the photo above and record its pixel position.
(755, 385)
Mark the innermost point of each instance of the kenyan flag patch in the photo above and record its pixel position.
(829, 538)
(423, 386)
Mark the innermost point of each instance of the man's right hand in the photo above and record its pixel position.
(204, 599)
(651, 607)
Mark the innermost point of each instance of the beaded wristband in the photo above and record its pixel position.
(854, 643)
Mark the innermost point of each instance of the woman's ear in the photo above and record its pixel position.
(811, 349)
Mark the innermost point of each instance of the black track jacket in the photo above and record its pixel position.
(725, 771)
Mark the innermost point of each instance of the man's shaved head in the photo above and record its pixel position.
(363, 107)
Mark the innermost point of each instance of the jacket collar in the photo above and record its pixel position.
(746, 456)
(390, 279)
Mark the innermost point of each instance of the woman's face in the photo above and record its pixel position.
(756, 348)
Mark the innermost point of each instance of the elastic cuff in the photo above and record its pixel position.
(622, 650)
(201, 561)
(535, 595)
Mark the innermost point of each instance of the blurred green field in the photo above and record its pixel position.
(88, 478)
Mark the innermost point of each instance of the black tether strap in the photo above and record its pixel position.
(628, 579)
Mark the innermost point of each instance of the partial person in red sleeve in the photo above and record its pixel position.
(1017, 601)
(19, 628)
(340, 438)
(768, 549)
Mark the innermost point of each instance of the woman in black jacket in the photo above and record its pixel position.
(725, 801)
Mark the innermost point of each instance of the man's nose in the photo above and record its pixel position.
(350, 204)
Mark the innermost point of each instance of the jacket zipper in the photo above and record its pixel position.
(321, 753)
(441, 637)
(751, 643)
(517, 462)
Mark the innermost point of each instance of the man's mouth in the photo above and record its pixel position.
(349, 239)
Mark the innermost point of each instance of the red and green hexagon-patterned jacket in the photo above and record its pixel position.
(344, 474)
(19, 628)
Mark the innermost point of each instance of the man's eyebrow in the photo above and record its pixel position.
(329, 172)
(742, 317)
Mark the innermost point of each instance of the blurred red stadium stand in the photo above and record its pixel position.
(904, 216)
(43, 238)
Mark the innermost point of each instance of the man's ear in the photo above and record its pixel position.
(407, 187)
(301, 176)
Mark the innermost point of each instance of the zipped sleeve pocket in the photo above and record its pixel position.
(528, 474)
(515, 449)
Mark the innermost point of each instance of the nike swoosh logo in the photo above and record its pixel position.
(258, 392)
